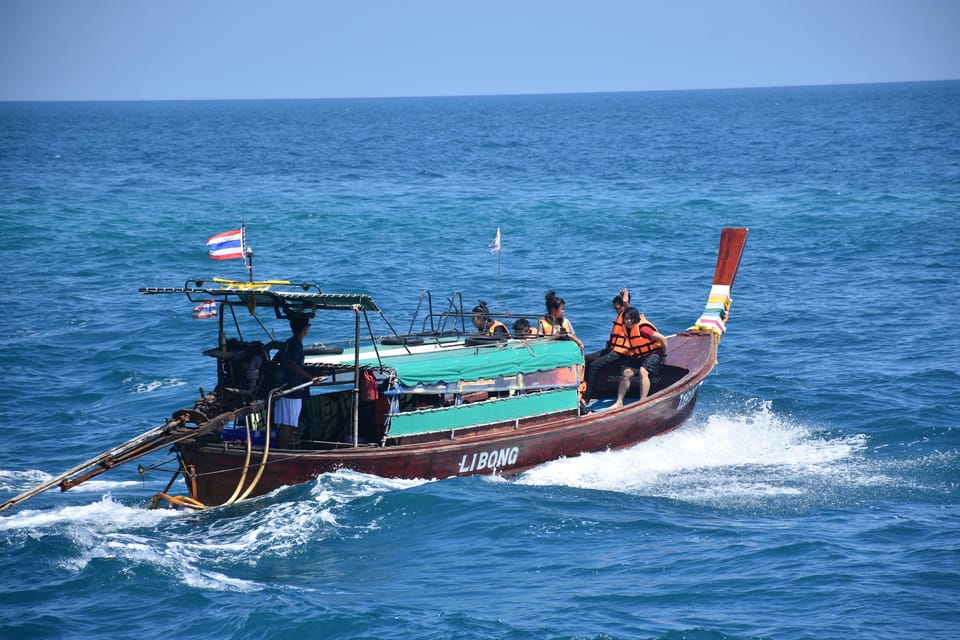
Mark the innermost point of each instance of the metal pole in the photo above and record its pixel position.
(499, 257)
(356, 378)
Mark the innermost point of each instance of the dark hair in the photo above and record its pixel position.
(297, 323)
(631, 314)
(553, 301)
(481, 310)
(521, 327)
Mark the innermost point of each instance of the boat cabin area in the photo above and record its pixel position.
(451, 390)
(403, 395)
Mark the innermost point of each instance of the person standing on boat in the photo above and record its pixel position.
(487, 325)
(287, 409)
(647, 351)
(554, 323)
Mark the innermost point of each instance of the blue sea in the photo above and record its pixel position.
(813, 494)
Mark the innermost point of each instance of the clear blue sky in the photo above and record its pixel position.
(196, 49)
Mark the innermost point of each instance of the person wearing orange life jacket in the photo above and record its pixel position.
(487, 325)
(646, 353)
(618, 332)
(617, 345)
(522, 329)
(554, 323)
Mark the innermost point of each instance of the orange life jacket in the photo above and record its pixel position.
(548, 326)
(619, 339)
(639, 345)
(494, 325)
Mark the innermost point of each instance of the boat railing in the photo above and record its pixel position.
(438, 323)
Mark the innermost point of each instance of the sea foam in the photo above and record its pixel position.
(720, 459)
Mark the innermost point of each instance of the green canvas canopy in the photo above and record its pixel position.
(477, 363)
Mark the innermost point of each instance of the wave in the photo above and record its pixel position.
(103, 530)
(202, 549)
(21, 480)
(100, 517)
(754, 458)
(18, 481)
(153, 385)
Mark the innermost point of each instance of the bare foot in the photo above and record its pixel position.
(616, 405)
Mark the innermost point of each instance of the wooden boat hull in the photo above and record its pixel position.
(215, 470)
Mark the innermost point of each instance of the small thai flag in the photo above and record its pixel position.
(206, 309)
(227, 245)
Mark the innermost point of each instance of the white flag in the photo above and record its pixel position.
(495, 245)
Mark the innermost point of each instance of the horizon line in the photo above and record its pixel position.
(481, 95)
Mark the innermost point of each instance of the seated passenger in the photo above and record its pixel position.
(639, 348)
(618, 333)
(522, 329)
(487, 325)
(648, 350)
(554, 323)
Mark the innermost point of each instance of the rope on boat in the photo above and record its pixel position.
(179, 501)
(266, 444)
(246, 460)
(193, 503)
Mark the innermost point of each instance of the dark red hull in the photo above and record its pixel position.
(505, 448)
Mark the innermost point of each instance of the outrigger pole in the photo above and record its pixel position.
(172, 431)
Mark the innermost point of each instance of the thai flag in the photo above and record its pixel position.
(495, 245)
(206, 309)
(227, 245)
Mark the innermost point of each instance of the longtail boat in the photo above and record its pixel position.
(433, 402)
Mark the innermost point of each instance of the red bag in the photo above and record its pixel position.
(368, 386)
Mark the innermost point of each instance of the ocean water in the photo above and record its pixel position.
(813, 494)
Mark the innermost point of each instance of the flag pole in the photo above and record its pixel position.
(495, 248)
(247, 252)
(499, 258)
